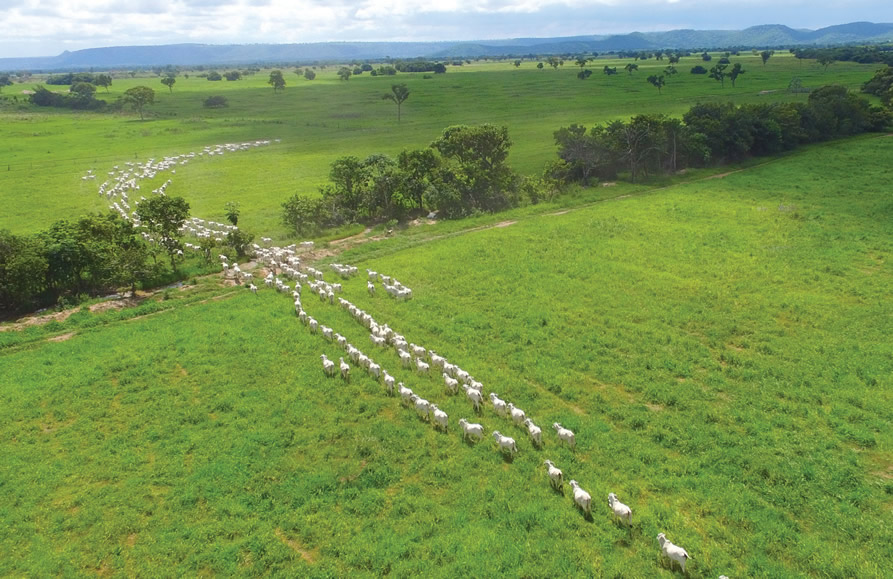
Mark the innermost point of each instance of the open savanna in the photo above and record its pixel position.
(45, 152)
(721, 349)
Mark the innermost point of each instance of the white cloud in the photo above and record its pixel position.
(46, 27)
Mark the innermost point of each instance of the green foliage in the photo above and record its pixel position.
(881, 85)
(399, 93)
(706, 57)
(138, 97)
(215, 102)
(303, 215)
(232, 210)
(737, 70)
(240, 241)
(169, 82)
(309, 74)
(658, 81)
(214, 76)
(103, 80)
(163, 216)
(631, 67)
(232, 75)
(276, 80)
(698, 69)
(584, 74)
(344, 73)
(718, 73)
(765, 55)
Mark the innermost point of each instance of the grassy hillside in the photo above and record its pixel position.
(721, 349)
(46, 152)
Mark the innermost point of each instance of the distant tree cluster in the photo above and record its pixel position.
(80, 97)
(862, 54)
(712, 133)
(881, 85)
(462, 172)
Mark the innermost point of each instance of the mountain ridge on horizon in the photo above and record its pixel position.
(193, 54)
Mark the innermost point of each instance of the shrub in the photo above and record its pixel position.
(698, 70)
(215, 102)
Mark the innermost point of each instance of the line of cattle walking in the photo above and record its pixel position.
(285, 262)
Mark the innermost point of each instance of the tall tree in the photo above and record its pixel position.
(581, 61)
(718, 72)
(103, 80)
(826, 61)
(138, 97)
(630, 67)
(277, 81)
(658, 80)
(399, 93)
(169, 82)
(344, 73)
(736, 71)
(765, 55)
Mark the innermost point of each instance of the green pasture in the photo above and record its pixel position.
(721, 348)
(44, 153)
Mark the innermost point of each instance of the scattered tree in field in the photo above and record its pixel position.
(766, 55)
(103, 80)
(215, 102)
(659, 55)
(539, 65)
(670, 70)
(736, 71)
(399, 93)
(439, 68)
(138, 97)
(555, 62)
(658, 80)
(214, 76)
(706, 57)
(630, 67)
(169, 82)
(582, 61)
(610, 70)
(517, 64)
(163, 216)
(584, 74)
(83, 90)
(232, 211)
(277, 81)
(796, 86)
(825, 61)
(718, 72)
(698, 70)
(674, 58)
(309, 74)
(232, 75)
(4, 81)
(344, 73)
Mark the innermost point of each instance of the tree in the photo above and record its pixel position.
(658, 80)
(417, 172)
(698, 70)
(138, 97)
(539, 65)
(309, 74)
(670, 70)
(718, 72)
(517, 64)
(399, 93)
(277, 81)
(630, 67)
(232, 75)
(163, 216)
(736, 71)
(610, 70)
(674, 58)
(586, 155)
(215, 102)
(344, 73)
(584, 74)
(880, 84)
(555, 62)
(23, 269)
(103, 80)
(581, 62)
(765, 55)
(83, 90)
(4, 81)
(826, 61)
(232, 211)
(706, 57)
(214, 76)
(303, 215)
(169, 82)
(439, 68)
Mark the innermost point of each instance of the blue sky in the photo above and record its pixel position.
(48, 27)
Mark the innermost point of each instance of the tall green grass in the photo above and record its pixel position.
(46, 152)
(721, 349)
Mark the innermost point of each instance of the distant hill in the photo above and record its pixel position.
(764, 36)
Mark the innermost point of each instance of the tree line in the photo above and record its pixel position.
(461, 173)
(100, 253)
(711, 134)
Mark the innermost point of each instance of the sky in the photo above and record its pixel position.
(49, 27)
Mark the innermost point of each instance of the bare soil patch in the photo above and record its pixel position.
(505, 223)
(62, 337)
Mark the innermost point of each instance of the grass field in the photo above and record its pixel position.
(721, 348)
(46, 152)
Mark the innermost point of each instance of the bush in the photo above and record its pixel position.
(698, 70)
(215, 102)
(214, 75)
